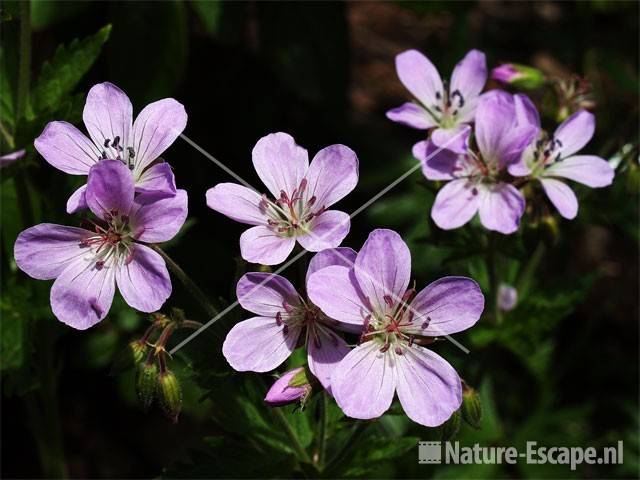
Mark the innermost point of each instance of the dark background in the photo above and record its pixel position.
(324, 72)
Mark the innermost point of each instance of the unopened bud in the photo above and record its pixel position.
(170, 394)
(131, 355)
(520, 76)
(507, 297)
(450, 428)
(294, 385)
(471, 406)
(146, 384)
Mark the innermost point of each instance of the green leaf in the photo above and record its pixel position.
(374, 451)
(59, 77)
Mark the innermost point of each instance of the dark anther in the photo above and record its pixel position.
(438, 95)
(474, 191)
(388, 300)
(437, 108)
(385, 347)
(116, 140)
(285, 329)
(99, 264)
(456, 93)
(132, 152)
(426, 323)
(106, 142)
(399, 351)
(104, 155)
(411, 339)
(278, 319)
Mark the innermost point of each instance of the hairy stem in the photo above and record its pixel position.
(322, 429)
(293, 437)
(198, 294)
(494, 282)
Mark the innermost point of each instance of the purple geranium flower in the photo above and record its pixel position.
(108, 117)
(449, 110)
(476, 179)
(9, 158)
(302, 194)
(286, 319)
(550, 158)
(88, 264)
(373, 294)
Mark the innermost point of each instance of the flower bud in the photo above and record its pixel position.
(294, 385)
(507, 297)
(520, 76)
(131, 355)
(450, 428)
(471, 406)
(170, 394)
(146, 383)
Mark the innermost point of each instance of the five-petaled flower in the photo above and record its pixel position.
(302, 192)
(286, 319)
(373, 294)
(549, 158)
(447, 109)
(87, 264)
(108, 117)
(477, 179)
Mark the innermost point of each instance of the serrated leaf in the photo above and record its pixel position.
(59, 77)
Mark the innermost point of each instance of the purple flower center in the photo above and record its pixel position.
(307, 315)
(290, 215)
(110, 245)
(114, 150)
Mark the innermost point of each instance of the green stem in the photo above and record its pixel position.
(198, 294)
(24, 69)
(322, 429)
(525, 280)
(493, 279)
(293, 438)
(333, 468)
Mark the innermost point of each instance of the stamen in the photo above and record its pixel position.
(106, 142)
(278, 318)
(388, 300)
(399, 351)
(426, 323)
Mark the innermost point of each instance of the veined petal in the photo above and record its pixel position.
(335, 291)
(561, 196)
(333, 173)
(469, 75)
(108, 114)
(156, 219)
(143, 280)
(67, 148)
(266, 294)
(454, 139)
(77, 201)
(589, 170)
(501, 207)
(327, 231)
(437, 163)
(157, 179)
(420, 77)
(324, 354)
(411, 115)
(280, 163)
(429, 388)
(237, 202)
(526, 111)
(448, 305)
(383, 268)
(45, 250)
(82, 295)
(110, 187)
(341, 256)
(155, 129)
(261, 245)
(259, 344)
(456, 203)
(364, 382)
(575, 132)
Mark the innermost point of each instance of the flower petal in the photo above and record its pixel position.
(589, 170)
(420, 77)
(456, 203)
(437, 163)
(110, 187)
(526, 111)
(261, 245)
(259, 344)
(454, 139)
(335, 291)
(383, 267)
(108, 114)
(156, 127)
(280, 163)
(144, 280)
(155, 219)
(266, 294)
(411, 115)
(9, 158)
(364, 382)
(82, 295)
(45, 250)
(327, 231)
(237, 202)
(333, 173)
(448, 305)
(469, 75)
(429, 388)
(157, 179)
(67, 148)
(575, 132)
(561, 196)
(77, 201)
(501, 207)
(342, 256)
(325, 354)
